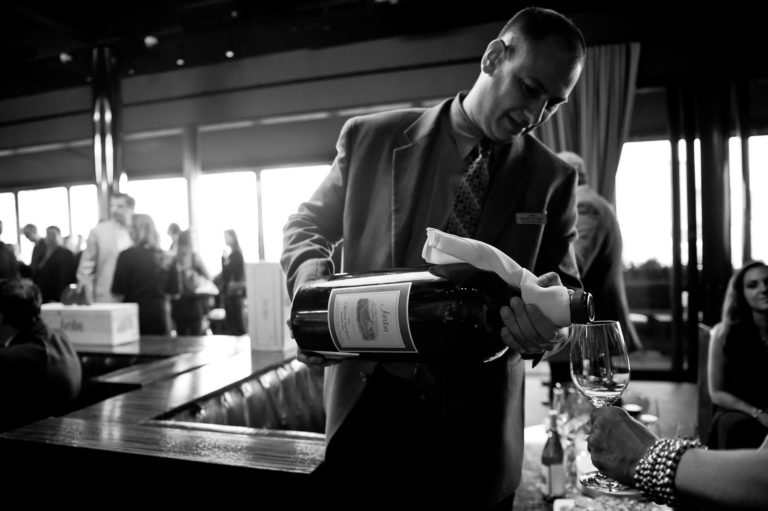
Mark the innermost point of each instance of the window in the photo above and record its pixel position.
(282, 190)
(43, 208)
(10, 232)
(226, 201)
(165, 200)
(758, 184)
(84, 210)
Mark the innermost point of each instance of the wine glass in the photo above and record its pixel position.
(600, 371)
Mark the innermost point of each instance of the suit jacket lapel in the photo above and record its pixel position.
(514, 174)
(409, 164)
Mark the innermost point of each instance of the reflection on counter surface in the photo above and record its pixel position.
(154, 427)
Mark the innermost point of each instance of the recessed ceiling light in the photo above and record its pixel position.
(65, 57)
(179, 62)
(150, 41)
(229, 54)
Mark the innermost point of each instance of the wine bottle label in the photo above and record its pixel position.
(553, 480)
(371, 318)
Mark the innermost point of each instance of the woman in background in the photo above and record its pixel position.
(233, 283)
(189, 308)
(738, 358)
(142, 276)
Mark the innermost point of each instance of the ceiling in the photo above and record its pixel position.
(35, 34)
(48, 45)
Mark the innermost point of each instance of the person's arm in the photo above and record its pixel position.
(716, 377)
(723, 479)
(733, 479)
(310, 234)
(86, 269)
(122, 272)
(200, 266)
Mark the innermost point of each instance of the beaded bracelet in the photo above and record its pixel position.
(655, 472)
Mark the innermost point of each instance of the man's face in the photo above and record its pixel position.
(30, 235)
(119, 210)
(525, 87)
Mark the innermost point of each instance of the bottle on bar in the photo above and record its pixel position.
(552, 462)
(437, 312)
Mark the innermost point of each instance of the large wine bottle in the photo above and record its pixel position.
(437, 312)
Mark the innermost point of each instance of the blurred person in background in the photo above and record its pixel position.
(9, 264)
(56, 270)
(40, 372)
(38, 251)
(144, 276)
(598, 255)
(105, 242)
(233, 283)
(738, 362)
(188, 308)
(74, 243)
(173, 232)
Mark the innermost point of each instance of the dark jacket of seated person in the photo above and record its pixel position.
(40, 371)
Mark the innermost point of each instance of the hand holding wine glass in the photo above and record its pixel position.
(600, 371)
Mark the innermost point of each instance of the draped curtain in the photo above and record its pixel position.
(595, 121)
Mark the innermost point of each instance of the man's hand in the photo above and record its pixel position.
(526, 329)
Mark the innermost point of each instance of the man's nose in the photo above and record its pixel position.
(534, 113)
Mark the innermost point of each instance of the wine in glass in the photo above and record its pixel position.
(600, 371)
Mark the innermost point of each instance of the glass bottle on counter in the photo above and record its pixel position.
(437, 312)
(552, 462)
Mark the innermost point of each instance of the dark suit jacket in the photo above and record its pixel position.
(598, 254)
(55, 274)
(9, 265)
(379, 198)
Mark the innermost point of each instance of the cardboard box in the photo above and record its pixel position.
(101, 324)
(268, 308)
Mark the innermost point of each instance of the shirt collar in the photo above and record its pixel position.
(466, 134)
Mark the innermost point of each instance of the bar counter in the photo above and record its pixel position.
(120, 438)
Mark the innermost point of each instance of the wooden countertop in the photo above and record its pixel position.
(127, 424)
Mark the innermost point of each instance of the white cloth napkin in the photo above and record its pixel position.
(444, 248)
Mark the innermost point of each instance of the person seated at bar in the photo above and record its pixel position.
(738, 357)
(40, 373)
(675, 471)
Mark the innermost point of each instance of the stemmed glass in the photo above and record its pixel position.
(600, 371)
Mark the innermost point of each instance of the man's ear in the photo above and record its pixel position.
(493, 56)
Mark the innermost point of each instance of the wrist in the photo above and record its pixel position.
(655, 472)
(755, 413)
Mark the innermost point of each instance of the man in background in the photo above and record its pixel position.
(105, 242)
(56, 271)
(38, 251)
(598, 254)
(9, 265)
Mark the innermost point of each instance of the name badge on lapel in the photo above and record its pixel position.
(531, 218)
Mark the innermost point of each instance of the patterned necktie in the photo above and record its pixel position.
(470, 194)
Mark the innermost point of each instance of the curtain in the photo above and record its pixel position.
(595, 121)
